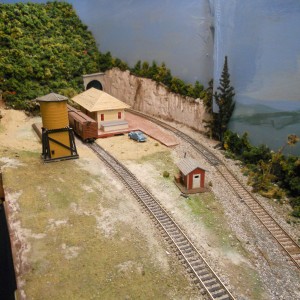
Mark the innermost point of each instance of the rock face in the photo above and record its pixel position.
(154, 99)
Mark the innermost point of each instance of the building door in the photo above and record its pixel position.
(196, 181)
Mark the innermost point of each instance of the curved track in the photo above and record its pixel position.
(290, 247)
(194, 261)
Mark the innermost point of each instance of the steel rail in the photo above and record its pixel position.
(194, 261)
(289, 246)
(286, 242)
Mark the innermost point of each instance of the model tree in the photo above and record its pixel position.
(224, 100)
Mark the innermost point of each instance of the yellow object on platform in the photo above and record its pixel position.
(55, 116)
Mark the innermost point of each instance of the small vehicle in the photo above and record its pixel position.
(137, 136)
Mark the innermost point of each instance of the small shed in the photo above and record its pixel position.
(107, 110)
(191, 177)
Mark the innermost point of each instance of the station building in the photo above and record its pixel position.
(107, 110)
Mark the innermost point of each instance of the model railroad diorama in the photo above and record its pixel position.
(73, 123)
(90, 122)
(190, 179)
(99, 115)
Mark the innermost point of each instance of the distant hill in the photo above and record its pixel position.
(259, 114)
(43, 48)
(251, 109)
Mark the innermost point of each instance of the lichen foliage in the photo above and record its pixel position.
(43, 48)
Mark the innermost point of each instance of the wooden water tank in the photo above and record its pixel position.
(54, 114)
(57, 142)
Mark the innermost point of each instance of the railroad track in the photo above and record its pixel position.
(290, 247)
(195, 263)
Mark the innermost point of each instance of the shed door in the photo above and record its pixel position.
(196, 181)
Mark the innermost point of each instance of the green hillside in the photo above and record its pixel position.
(46, 47)
(43, 48)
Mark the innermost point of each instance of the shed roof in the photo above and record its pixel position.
(52, 97)
(96, 100)
(187, 165)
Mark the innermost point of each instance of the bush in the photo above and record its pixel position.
(271, 174)
(254, 154)
(163, 75)
(55, 61)
(296, 212)
(236, 144)
(166, 174)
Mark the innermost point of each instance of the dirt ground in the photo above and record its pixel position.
(79, 234)
(124, 148)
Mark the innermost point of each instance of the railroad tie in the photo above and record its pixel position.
(202, 271)
(189, 255)
(208, 278)
(181, 239)
(217, 295)
(224, 297)
(183, 243)
(215, 287)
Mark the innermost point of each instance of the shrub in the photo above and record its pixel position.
(254, 154)
(236, 144)
(166, 174)
(296, 212)
(295, 203)
(271, 174)
(55, 61)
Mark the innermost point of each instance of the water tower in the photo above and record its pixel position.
(57, 137)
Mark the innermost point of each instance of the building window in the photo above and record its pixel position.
(119, 115)
(102, 117)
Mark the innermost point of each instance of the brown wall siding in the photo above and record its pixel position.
(190, 178)
(86, 128)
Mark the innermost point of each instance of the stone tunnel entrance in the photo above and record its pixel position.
(93, 80)
(95, 84)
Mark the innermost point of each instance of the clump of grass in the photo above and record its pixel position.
(166, 174)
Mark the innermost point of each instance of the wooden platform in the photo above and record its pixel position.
(118, 125)
(105, 134)
(184, 190)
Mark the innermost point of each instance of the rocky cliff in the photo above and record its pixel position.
(153, 98)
